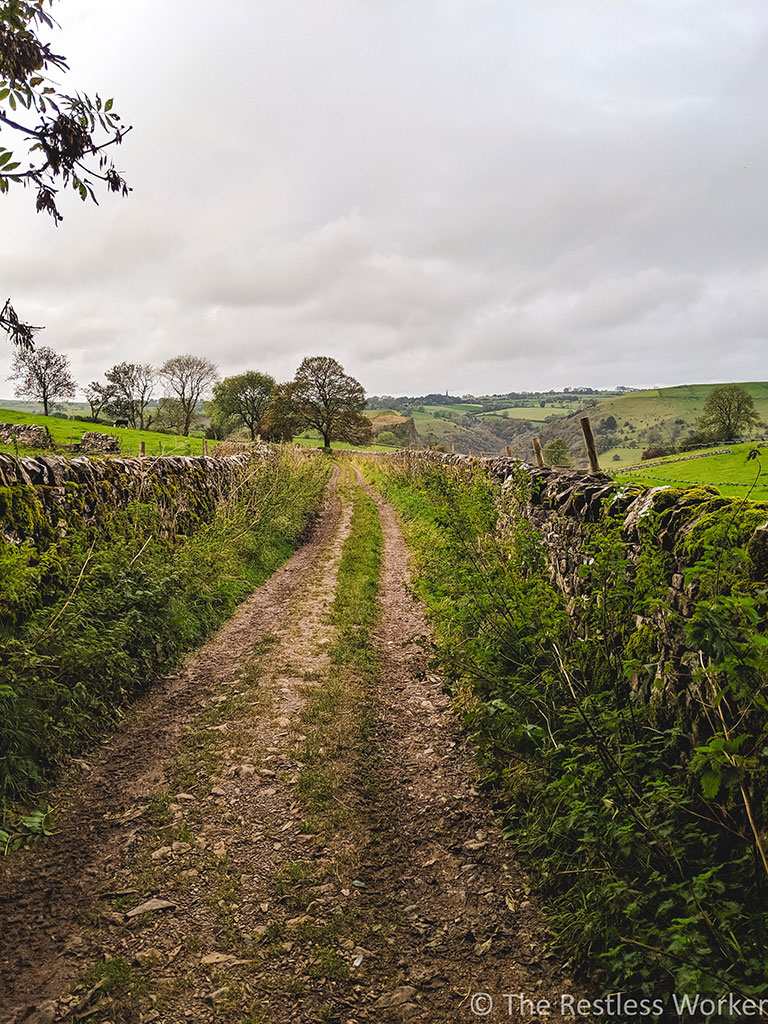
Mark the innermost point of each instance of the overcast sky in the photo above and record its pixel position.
(466, 194)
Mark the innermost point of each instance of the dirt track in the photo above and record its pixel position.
(402, 910)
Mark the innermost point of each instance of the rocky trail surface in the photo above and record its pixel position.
(289, 829)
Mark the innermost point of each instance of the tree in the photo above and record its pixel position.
(282, 421)
(244, 398)
(330, 401)
(728, 411)
(556, 452)
(42, 375)
(219, 425)
(170, 416)
(131, 386)
(187, 378)
(61, 138)
(97, 395)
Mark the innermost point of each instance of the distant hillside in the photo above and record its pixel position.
(486, 423)
(641, 418)
(625, 422)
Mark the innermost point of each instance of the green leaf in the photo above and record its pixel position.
(6, 156)
(108, 105)
(710, 784)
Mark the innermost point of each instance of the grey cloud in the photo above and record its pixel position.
(499, 195)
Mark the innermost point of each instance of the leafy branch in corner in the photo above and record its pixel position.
(61, 139)
(21, 334)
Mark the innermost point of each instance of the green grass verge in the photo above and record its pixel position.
(336, 717)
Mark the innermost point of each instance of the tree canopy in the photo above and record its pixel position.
(186, 379)
(244, 399)
(329, 400)
(728, 411)
(556, 452)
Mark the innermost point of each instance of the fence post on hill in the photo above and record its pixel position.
(142, 448)
(538, 453)
(508, 451)
(205, 446)
(589, 441)
(453, 448)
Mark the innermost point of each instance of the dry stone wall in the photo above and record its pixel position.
(95, 442)
(52, 493)
(27, 435)
(565, 506)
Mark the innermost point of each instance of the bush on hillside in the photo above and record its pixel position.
(657, 451)
(699, 439)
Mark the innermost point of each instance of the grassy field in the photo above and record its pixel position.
(428, 424)
(529, 412)
(69, 432)
(732, 474)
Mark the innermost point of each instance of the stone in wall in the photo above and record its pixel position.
(94, 442)
(26, 435)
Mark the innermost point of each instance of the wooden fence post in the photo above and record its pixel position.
(205, 446)
(508, 451)
(538, 453)
(142, 448)
(589, 441)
